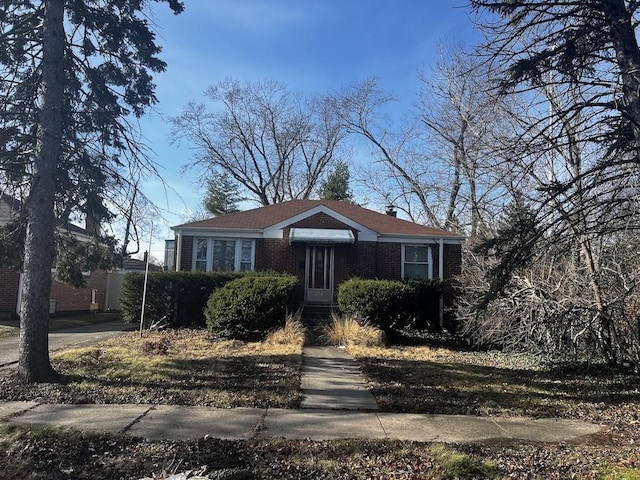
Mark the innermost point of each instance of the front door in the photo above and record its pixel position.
(319, 275)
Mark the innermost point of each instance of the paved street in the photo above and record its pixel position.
(72, 337)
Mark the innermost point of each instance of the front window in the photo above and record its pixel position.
(223, 254)
(201, 260)
(246, 255)
(416, 262)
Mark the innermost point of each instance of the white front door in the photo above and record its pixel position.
(319, 275)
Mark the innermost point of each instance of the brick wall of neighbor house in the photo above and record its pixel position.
(9, 282)
(70, 299)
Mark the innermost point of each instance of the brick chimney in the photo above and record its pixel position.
(391, 211)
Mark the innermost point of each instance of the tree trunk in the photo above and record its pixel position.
(625, 44)
(34, 364)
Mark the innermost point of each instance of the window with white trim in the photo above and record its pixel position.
(416, 261)
(223, 254)
(201, 260)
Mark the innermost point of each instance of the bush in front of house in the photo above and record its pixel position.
(249, 307)
(177, 297)
(382, 303)
(424, 303)
(391, 304)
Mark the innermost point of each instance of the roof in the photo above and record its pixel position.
(264, 217)
(11, 206)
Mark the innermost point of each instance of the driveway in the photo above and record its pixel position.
(72, 337)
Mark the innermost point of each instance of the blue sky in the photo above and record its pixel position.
(311, 45)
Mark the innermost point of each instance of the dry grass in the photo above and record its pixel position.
(293, 333)
(422, 379)
(180, 367)
(347, 331)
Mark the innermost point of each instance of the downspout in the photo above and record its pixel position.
(441, 277)
(178, 251)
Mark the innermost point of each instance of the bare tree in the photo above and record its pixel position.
(438, 167)
(276, 144)
(575, 162)
(396, 175)
(461, 118)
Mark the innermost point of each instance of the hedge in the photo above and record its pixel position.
(249, 307)
(180, 297)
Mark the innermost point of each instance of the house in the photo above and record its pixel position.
(63, 298)
(322, 242)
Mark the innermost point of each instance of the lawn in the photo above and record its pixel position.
(187, 367)
(432, 379)
(176, 367)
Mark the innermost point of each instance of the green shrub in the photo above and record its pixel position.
(391, 304)
(424, 303)
(382, 303)
(179, 297)
(249, 307)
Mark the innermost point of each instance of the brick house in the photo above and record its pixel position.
(63, 298)
(323, 243)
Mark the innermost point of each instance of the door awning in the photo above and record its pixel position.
(322, 235)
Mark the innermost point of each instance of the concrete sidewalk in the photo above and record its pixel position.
(336, 405)
(332, 380)
(183, 423)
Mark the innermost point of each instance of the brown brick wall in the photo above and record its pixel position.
(389, 261)
(452, 260)
(70, 299)
(186, 255)
(9, 282)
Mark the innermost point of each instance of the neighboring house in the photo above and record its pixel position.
(322, 242)
(63, 298)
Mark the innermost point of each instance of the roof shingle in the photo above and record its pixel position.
(264, 217)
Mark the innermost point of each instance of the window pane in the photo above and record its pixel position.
(245, 255)
(224, 252)
(416, 254)
(201, 254)
(201, 249)
(413, 270)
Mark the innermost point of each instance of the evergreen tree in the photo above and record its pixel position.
(71, 74)
(336, 185)
(222, 195)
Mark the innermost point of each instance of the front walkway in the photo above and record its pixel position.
(331, 380)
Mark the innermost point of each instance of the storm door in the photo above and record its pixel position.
(319, 275)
